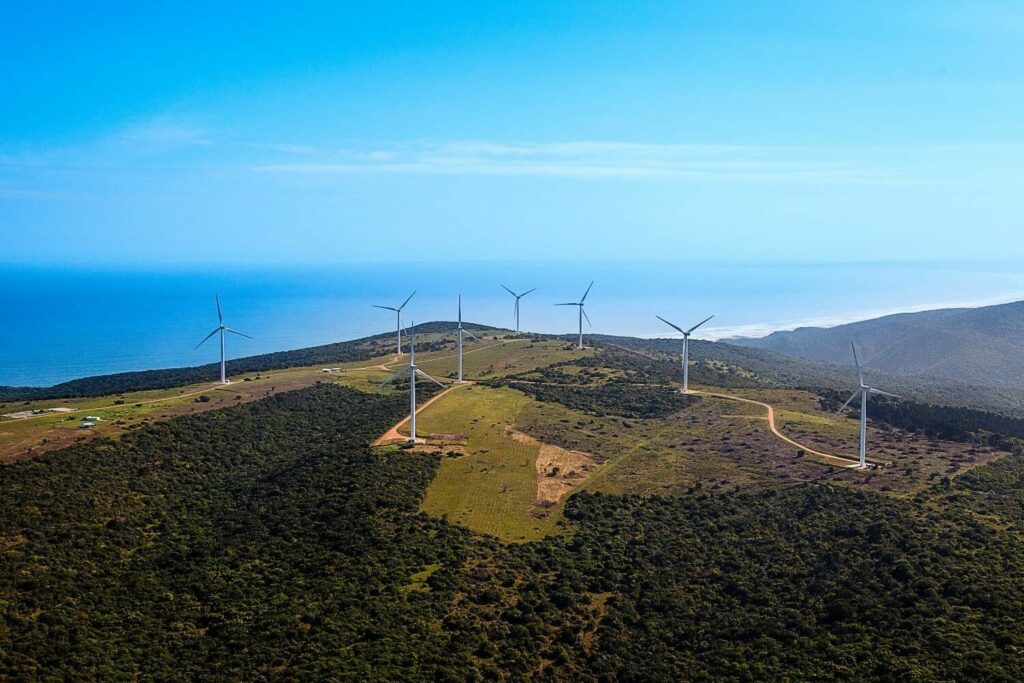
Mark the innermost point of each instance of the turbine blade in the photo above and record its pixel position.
(587, 292)
(883, 393)
(675, 327)
(467, 332)
(240, 334)
(407, 300)
(584, 312)
(856, 360)
(510, 291)
(527, 292)
(205, 339)
(391, 379)
(423, 374)
(690, 331)
(460, 310)
(852, 396)
(220, 317)
(386, 308)
(569, 304)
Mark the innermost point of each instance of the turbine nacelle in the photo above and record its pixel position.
(582, 313)
(459, 332)
(398, 316)
(221, 328)
(412, 371)
(862, 392)
(686, 347)
(515, 310)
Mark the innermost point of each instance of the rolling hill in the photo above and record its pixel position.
(163, 378)
(274, 540)
(981, 346)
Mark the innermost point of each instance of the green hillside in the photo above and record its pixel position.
(268, 540)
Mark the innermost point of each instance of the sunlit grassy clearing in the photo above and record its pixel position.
(493, 487)
(488, 360)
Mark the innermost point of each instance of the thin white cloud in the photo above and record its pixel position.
(162, 132)
(579, 159)
(288, 148)
(12, 193)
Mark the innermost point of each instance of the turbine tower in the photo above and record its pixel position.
(686, 348)
(459, 332)
(222, 328)
(398, 317)
(412, 371)
(863, 390)
(582, 315)
(518, 297)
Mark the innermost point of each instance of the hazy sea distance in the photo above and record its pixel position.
(59, 324)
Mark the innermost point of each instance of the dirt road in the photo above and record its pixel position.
(831, 459)
(91, 409)
(393, 433)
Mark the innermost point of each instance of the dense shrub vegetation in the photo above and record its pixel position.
(948, 423)
(616, 383)
(612, 398)
(268, 541)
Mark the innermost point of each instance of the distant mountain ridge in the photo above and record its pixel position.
(982, 346)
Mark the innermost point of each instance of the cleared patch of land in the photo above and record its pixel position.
(490, 485)
(493, 359)
(559, 470)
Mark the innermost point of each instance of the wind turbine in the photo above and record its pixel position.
(412, 371)
(222, 328)
(459, 331)
(686, 348)
(863, 390)
(398, 316)
(518, 297)
(583, 314)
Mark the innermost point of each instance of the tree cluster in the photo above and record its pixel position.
(268, 540)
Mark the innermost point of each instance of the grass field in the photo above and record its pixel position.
(490, 360)
(493, 487)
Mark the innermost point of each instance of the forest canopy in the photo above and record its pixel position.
(268, 540)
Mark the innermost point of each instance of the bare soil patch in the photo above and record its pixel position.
(559, 470)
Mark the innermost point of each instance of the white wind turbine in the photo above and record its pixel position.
(459, 331)
(518, 297)
(222, 328)
(863, 390)
(412, 371)
(686, 348)
(398, 317)
(582, 315)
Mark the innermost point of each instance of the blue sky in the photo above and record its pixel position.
(339, 132)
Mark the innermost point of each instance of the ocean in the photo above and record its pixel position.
(58, 324)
